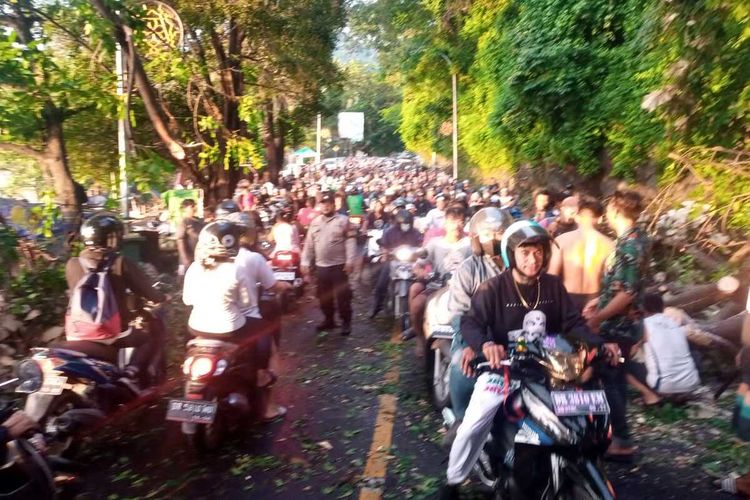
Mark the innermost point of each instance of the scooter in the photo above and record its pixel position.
(438, 331)
(554, 428)
(220, 389)
(286, 267)
(75, 386)
(402, 276)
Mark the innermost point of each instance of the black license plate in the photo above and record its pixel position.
(576, 403)
(185, 410)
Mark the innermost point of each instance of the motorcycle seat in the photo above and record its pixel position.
(87, 348)
(213, 344)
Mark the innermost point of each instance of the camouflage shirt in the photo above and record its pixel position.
(625, 271)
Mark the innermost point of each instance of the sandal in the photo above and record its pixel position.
(728, 484)
(279, 416)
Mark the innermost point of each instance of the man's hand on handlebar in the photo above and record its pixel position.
(494, 353)
(467, 357)
(613, 353)
(19, 424)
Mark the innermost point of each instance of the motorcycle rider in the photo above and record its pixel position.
(486, 229)
(444, 254)
(102, 235)
(253, 270)
(498, 307)
(401, 233)
(218, 290)
(284, 233)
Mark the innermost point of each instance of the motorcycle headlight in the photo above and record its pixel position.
(567, 367)
(31, 376)
(404, 254)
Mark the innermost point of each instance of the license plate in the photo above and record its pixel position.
(576, 403)
(198, 412)
(284, 275)
(53, 385)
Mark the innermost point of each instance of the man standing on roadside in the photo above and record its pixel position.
(331, 245)
(187, 234)
(580, 255)
(618, 311)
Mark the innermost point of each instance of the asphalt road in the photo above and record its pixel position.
(359, 426)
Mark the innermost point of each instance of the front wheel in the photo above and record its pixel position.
(441, 369)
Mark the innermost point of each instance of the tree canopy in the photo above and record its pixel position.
(595, 84)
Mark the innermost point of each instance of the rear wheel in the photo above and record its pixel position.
(209, 437)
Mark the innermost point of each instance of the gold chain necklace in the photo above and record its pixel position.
(520, 295)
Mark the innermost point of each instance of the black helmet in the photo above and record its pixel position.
(226, 207)
(404, 217)
(102, 230)
(285, 212)
(525, 232)
(219, 240)
(248, 224)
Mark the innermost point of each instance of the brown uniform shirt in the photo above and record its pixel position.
(330, 242)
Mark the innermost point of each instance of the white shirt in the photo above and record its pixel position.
(434, 217)
(444, 256)
(286, 237)
(670, 366)
(216, 297)
(252, 269)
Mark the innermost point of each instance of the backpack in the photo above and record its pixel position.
(93, 313)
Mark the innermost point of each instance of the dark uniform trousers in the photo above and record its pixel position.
(333, 282)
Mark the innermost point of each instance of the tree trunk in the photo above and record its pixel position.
(55, 161)
(273, 139)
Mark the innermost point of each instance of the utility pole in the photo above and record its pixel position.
(317, 141)
(454, 85)
(122, 139)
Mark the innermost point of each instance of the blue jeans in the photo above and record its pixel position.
(461, 386)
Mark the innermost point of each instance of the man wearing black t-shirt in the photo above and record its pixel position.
(498, 307)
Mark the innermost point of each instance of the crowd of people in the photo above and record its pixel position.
(576, 263)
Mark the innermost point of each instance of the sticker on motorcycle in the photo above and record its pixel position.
(197, 412)
(575, 403)
(53, 385)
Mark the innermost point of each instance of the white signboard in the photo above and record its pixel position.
(352, 126)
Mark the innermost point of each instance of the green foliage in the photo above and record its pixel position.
(40, 288)
(8, 253)
(585, 83)
(46, 213)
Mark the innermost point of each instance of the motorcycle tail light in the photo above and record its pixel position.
(201, 367)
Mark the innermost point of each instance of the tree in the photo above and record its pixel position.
(250, 73)
(50, 71)
(365, 89)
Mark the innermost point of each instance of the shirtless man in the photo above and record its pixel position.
(580, 255)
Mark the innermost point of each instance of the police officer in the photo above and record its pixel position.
(331, 245)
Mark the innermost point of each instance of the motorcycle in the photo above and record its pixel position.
(75, 386)
(220, 389)
(402, 276)
(27, 471)
(554, 427)
(286, 267)
(439, 331)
